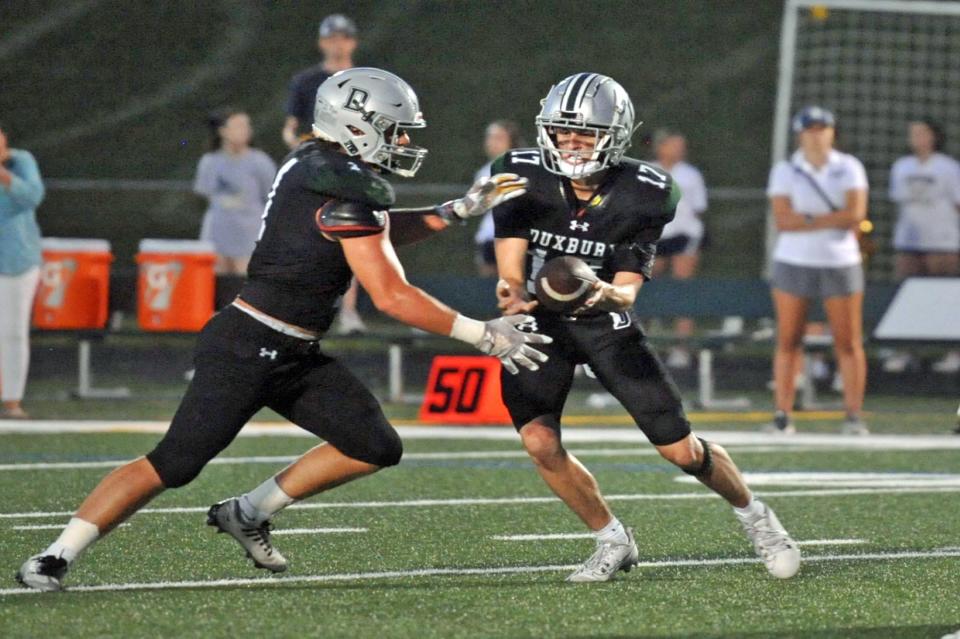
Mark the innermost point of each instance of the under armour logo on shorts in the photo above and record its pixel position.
(265, 353)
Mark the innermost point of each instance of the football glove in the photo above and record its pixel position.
(486, 193)
(503, 339)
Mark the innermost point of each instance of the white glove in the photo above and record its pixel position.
(485, 194)
(502, 339)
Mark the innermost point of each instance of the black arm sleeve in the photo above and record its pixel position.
(637, 256)
(408, 226)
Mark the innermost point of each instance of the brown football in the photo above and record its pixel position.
(563, 284)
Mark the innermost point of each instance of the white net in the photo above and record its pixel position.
(878, 70)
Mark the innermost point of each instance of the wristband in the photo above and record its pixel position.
(468, 330)
(448, 212)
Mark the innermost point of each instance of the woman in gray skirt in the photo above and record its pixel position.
(236, 179)
(819, 197)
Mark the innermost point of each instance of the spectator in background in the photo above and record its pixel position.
(500, 137)
(236, 179)
(679, 246)
(21, 191)
(926, 188)
(818, 197)
(337, 42)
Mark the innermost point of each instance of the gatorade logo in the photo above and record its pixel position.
(54, 280)
(161, 280)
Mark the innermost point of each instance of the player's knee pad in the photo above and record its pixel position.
(705, 466)
(664, 428)
(383, 451)
(175, 470)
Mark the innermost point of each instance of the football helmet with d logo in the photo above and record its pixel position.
(367, 111)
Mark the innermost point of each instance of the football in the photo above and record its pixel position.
(563, 284)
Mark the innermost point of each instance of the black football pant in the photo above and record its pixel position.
(615, 348)
(242, 366)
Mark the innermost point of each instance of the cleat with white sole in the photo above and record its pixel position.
(43, 572)
(227, 517)
(772, 543)
(607, 560)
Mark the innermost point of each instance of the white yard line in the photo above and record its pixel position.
(286, 459)
(545, 536)
(467, 572)
(49, 526)
(571, 434)
(500, 501)
(844, 479)
(648, 451)
(588, 535)
(317, 531)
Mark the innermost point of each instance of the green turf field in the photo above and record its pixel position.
(418, 554)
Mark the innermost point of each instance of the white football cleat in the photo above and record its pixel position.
(608, 558)
(227, 517)
(43, 572)
(773, 543)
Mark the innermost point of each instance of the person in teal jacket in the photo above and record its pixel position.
(21, 191)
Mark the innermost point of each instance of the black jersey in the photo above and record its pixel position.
(302, 95)
(298, 271)
(615, 231)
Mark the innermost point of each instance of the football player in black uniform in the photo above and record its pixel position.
(585, 199)
(324, 222)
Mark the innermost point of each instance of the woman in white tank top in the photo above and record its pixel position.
(819, 198)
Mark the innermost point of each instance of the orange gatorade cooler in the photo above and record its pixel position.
(74, 284)
(175, 285)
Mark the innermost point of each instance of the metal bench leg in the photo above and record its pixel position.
(85, 388)
(395, 357)
(808, 392)
(706, 386)
(705, 376)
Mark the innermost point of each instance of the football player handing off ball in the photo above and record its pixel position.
(326, 220)
(586, 200)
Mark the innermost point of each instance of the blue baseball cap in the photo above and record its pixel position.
(338, 23)
(809, 116)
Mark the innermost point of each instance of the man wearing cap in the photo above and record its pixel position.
(337, 42)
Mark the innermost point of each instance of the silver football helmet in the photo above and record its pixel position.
(587, 103)
(367, 111)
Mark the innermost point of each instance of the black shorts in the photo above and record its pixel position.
(617, 352)
(677, 245)
(486, 254)
(242, 366)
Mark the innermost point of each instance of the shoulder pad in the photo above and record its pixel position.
(345, 219)
(340, 177)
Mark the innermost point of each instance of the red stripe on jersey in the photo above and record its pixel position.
(334, 229)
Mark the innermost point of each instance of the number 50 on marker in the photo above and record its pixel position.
(464, 390)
